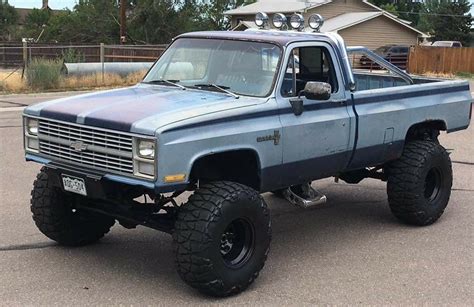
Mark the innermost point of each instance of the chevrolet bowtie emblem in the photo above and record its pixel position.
(78, 146)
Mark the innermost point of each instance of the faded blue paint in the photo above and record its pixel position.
(193, 123)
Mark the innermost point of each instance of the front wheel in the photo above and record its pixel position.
(56, 217)
(222, 238)
(419, 183)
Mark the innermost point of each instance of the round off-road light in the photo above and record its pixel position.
(261, 19)
(297, 21)
(279, 20)
(315, 22)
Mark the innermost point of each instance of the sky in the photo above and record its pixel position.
(60, 4)
(54, 4)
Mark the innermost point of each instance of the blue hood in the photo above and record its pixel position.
(150, 106)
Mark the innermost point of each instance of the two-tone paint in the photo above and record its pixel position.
(355, 128)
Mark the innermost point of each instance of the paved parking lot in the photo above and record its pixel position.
(348, 251)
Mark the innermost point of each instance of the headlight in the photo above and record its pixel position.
(146, 149)
(32, 126)
(31, 134)
(144, 157)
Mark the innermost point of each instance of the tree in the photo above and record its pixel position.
(8, 19)
(153, 21)
(158, 21)
(37, 18)
(90, 21)
(214, 12)
(447, 20)
(35, 22)
(404, 9)
(409, 10)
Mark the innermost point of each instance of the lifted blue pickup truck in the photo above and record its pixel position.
(230, 115)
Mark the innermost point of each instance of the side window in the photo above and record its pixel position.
(456, 44)
(308, 64)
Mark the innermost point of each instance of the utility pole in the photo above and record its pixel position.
(123, 20)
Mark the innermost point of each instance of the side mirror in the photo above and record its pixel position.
(312, 91)
(316, 90)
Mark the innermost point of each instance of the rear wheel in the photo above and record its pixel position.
(222, 238)
(56, 217)
(419, 183)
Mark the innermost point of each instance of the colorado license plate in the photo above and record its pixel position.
(74, 184)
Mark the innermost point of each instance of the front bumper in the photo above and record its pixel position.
(102, 184)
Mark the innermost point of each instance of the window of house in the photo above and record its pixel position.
(308, 64)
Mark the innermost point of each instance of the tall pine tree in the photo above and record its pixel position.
(447, 20)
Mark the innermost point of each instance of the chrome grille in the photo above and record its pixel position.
(102, 149)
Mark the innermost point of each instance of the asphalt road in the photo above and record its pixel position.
(348, 251)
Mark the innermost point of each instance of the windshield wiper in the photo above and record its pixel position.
(170, 82)
(222, 88)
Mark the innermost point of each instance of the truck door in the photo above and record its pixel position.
(316, 144)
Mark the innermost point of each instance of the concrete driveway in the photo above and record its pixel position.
(348, 251)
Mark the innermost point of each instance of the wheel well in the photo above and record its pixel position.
(240, 166)
(428, 130)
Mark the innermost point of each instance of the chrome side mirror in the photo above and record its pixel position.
(312, 91)
(316, 90)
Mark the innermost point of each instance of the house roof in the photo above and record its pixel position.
(290, 6)
(334, 24)
(245, 24)
(342, 21)
(347, 20)
(278, 6)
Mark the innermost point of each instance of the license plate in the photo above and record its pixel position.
(74, 184)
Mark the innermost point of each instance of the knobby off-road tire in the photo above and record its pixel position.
(222, 237)
(55, 216)
(419, 183)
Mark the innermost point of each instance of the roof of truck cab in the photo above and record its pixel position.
(281, 38)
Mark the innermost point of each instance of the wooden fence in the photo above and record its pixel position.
(425, 59)
(13, 55)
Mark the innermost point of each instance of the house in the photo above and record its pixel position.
(357, 21)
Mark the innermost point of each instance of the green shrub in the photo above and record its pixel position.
(43, 73)
(73, 56)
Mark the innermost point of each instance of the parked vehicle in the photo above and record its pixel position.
(453, 44)
(395, 54)
(228, 116)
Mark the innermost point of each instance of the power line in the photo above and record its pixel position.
(356, 8)
(430, 14)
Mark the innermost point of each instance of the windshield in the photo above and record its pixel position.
(241, 67)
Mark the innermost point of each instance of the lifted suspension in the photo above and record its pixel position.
(131, 213)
